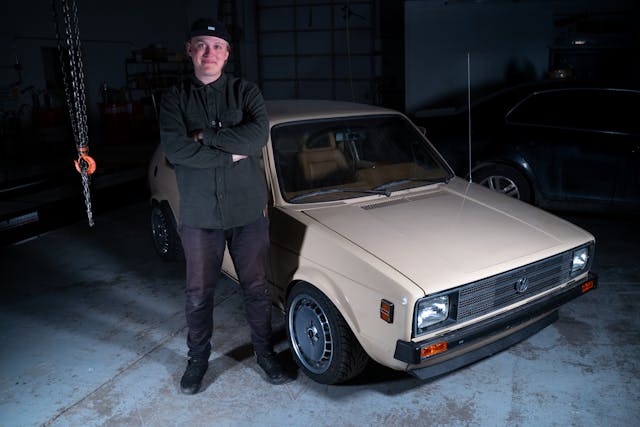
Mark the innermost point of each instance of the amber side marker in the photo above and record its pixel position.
(587, 286)
(386, 311)
(433, 349)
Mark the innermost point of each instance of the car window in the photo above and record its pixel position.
(587, 109)
(350, 156)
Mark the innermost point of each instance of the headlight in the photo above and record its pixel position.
(580, 259)
(431, 311)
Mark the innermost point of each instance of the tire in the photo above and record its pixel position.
(506, 180)
(322, 343)
(164, 233)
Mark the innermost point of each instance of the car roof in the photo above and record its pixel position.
(506, 97)
(306, 109)
(525, 89)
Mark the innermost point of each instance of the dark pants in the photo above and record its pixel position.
(204, 249)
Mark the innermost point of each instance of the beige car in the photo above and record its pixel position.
(379, 252)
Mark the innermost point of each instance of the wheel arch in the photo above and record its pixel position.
(519, 164)
(325, 284)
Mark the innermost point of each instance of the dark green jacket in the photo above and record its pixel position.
(214, 191)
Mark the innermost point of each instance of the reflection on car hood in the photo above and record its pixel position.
(452, 235)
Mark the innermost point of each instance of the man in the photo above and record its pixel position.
(212, 129)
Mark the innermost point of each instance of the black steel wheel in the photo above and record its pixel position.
(166, 240)
(506, 180)
(322, 343)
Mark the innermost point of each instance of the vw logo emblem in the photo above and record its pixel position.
(522, 285)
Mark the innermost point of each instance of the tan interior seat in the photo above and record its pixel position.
(321, 159)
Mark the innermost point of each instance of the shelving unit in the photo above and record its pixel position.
(145, 78)
(130, 116)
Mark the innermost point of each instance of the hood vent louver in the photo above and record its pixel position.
(383, 204)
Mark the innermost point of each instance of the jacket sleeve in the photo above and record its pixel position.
(180, 148)
(250, 135)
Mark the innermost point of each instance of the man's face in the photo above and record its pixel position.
(208, 54)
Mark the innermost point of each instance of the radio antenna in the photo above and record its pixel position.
(469, 108)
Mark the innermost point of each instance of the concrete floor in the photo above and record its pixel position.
(92, 333)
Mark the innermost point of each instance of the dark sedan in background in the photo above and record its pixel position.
(559, 145)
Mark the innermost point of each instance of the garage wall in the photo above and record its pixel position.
(109, 31)
(508, 42)
(505, 40)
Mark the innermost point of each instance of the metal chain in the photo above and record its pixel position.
(86, 182)
(73, 34)
(74, 87)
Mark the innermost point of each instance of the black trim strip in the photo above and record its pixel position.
(485, 351)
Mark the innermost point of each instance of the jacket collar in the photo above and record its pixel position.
(218, 84)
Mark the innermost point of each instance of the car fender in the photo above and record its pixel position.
(360, 307)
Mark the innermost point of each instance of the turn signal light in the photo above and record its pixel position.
(587, 286)
(386, 311)
(433, 349)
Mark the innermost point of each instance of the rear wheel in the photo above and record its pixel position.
(166, 240)
(321, 341)
(506, 180)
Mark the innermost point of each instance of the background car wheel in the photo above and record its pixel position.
(321, 341)
(164, 233)
(505, 180)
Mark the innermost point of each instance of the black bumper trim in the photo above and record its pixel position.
(409, 352)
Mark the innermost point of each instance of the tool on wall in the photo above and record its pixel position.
(65, 17)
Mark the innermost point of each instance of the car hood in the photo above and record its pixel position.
(452, 234)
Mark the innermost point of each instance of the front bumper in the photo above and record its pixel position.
(475, 342)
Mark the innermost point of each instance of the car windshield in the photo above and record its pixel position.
(346, 157)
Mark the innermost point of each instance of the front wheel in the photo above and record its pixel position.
(506, 180)
(321, 341)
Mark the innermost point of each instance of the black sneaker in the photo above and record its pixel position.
(273, 368)
(192, 378)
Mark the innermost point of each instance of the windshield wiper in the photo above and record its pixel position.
(340, 190)
(405, 180)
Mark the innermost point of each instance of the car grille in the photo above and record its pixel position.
(493, 293)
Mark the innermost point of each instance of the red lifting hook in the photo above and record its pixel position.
(85, 161)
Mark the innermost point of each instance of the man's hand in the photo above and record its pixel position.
(238, 157)
(197, 135)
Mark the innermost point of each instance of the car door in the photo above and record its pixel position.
(576, 159)
(628, 190)
(621, 115)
